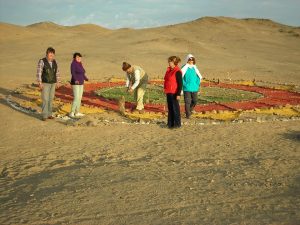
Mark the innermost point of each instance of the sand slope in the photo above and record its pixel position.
(225, 48)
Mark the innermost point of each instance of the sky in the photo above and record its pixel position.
(115, 14)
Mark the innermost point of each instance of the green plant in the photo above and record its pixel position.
(154, 94)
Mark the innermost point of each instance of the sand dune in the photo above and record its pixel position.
(225, 48)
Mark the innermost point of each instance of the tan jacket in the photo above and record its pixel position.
(132, 78)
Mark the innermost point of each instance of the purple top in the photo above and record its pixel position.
(78, 73)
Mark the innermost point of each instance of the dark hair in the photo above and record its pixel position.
(76, 54)
(125, 66)
(174, 59)
(193, 59)
(50, 50)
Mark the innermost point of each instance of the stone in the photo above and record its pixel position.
(91, 123)
(4, 172)
(121, 104)
(259, 119)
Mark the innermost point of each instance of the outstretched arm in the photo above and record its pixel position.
(137, 76)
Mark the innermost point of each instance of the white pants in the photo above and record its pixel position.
(77, 93)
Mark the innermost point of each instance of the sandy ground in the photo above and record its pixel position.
(214, 174)
(51, 173)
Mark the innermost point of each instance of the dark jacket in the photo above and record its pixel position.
(49, 73)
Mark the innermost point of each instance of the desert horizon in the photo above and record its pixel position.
(159, 26)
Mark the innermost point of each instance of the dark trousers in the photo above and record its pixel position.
(174, 119)
(190, 100)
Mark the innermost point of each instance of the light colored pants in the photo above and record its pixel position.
(139, 98)
(77, 93)
(48, 93)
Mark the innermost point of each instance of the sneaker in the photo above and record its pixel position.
(71, 115)
(141, 111)
(79, 114)
(51, 117)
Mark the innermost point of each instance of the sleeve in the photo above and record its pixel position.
(127, 81)
(179, 82)
(137, 76)
(74, 72)
(198, 72)
(57, 74)
(184, 69)
(40, 67)
(85, 77)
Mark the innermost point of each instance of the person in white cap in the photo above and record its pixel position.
(191, 83)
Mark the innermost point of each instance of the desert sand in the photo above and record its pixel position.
(52, 173)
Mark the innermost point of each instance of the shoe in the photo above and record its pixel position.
(51, 117)
(141, 111)
(79, 114)
(71, 115)
(44, 119)
(193, 112)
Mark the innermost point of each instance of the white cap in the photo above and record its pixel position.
(189, 56)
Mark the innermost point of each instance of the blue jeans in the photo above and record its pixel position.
(48, 93)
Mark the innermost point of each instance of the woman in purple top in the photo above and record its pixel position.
(77, 81)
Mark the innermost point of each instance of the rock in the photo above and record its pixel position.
(288, 105)
(91, 123)
(141, 121)
(259, 119)
(4, 172)
(121, 104)
(285, 119)
(17, 91)
(71, 122)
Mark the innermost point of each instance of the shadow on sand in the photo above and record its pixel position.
(292, 135)
(7, 92)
